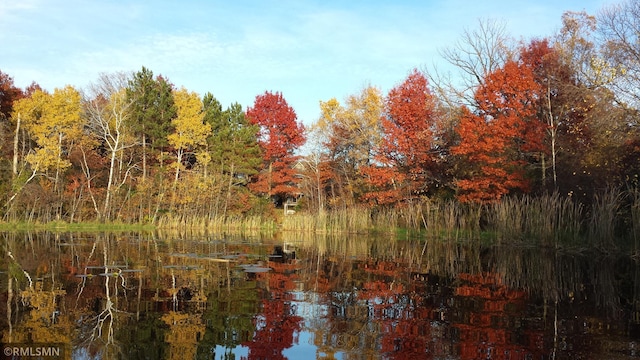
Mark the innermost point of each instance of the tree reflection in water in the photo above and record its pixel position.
(145, 295)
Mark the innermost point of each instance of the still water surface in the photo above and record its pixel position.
(178, 296)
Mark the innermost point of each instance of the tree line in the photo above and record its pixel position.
(536, 116)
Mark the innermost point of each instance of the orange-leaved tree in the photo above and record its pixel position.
(406, 156)
(279, 136)
(496, 138)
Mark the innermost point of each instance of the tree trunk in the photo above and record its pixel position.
(107, 198)
(229, 186)
(15, 147)
(144, 157)
(175, 179)
(553, 134)
(269, 178)
(178, 163)
(319, 182)
(57, 177)
(87, 174)
(56, 187)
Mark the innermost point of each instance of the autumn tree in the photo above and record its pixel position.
(108, 111)
(8, 94)
(280, 135)
(619, 29)
(58, 125)
(191, 132)
(54, 122)
(18, 130)
(593, 122)
(480, 50)
(407, 155)
(495, 139)
(350, 133)
(556, 104)
(567, 105)
(316, 173)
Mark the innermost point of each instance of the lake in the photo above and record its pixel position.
(154, 295)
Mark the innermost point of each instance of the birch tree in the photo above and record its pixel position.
(108, 113)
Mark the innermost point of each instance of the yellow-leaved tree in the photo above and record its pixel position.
(54, 123)
(191, 131)
(350, 132)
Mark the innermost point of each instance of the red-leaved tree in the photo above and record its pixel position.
(496, 139)
(405, 159)
(279, 136)
(8, 94)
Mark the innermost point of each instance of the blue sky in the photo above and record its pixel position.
(308, 50)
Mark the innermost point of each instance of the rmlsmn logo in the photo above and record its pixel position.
(24, 351)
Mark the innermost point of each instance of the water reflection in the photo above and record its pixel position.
(169, 296)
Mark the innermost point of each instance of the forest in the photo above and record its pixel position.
(544, 125)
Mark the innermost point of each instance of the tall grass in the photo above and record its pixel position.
(548, 220)
(437, 218)
(63, 226)
(604, 218)
(217, 224)
(349, 220)
(450, 219)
